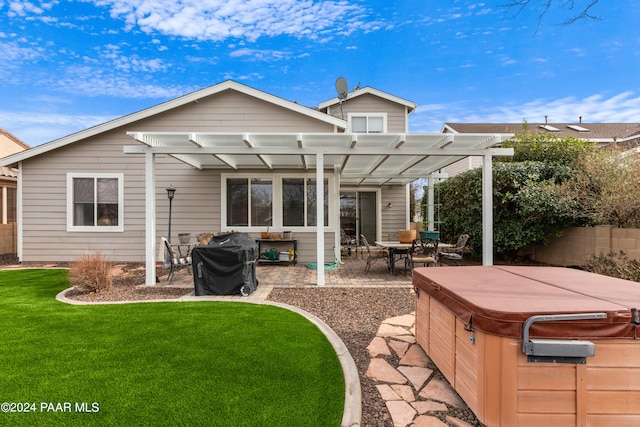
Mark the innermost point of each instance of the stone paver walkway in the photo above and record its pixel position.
(412, 392)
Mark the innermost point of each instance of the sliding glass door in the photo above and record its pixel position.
(359, 213)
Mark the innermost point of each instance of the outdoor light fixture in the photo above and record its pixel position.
(389, 205)
(170, 193)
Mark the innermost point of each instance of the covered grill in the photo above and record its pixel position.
(530, 346)
(226, 266)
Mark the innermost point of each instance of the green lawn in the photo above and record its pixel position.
(210, 363)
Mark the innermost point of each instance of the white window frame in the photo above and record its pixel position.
(70, 206)
(223, 203)
(350, 117)
(277, 218)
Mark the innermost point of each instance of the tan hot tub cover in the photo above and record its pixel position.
(499, 299)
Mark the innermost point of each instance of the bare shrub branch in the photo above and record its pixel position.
(91, 273)
(546, 6)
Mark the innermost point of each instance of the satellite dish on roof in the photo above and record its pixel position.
(342, 87)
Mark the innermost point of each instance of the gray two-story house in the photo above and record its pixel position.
(240, 159)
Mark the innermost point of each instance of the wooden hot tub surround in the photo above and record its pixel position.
(470, 322)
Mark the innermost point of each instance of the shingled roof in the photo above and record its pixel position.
(624, 134)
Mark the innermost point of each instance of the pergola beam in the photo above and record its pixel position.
(312, 151)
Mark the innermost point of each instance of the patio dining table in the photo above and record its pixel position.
(394, 246)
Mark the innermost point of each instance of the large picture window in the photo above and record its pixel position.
(299, 202)
(249, 202)
(95, 202)
(286, 202)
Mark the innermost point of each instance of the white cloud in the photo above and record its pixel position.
(92, 81)
(251, 76)
(260, 54)
(504, 60)
(24, 8)
(219, 20)
(131, 63)
(623, 108)
(13, 52)
(36, 128)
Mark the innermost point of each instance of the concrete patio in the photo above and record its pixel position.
(349, 274)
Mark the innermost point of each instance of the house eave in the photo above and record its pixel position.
(169, 105)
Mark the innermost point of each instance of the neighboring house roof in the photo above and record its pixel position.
(10, 144)
(625, 134)
(369, 90)
(165, 106)
(8, 172)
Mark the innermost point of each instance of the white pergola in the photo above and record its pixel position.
(358, 159)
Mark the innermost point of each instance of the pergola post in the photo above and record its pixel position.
(487, 210)
(320, 216)
(150, 218)
(430, 203)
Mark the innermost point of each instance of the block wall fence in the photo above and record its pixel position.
(576, 245)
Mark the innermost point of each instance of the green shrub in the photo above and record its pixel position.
(547, 148)
(528, 209)
(529, 206)
(91, 273)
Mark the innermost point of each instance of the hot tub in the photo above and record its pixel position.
(534, 346)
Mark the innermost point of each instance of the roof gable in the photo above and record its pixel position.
(411, 106)
(170, 105)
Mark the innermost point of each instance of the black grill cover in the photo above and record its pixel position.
(226, 266)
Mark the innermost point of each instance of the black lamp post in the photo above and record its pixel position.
(170, 193)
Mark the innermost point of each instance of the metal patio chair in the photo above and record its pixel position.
(373, 253)
(176, 260)
(455, 253)
(423, 251)
(348, 243)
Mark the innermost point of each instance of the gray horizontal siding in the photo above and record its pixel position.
(396, 113)
(196, 206)
(395, 218)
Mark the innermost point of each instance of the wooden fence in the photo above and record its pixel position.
(576, 245)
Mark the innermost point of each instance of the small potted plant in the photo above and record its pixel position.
(265, 234)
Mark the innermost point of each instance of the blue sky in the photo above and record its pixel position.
(69, 65)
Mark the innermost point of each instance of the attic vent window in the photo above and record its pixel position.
(578, 128)
(550, 128)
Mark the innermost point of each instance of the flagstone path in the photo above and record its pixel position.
(414, 395)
